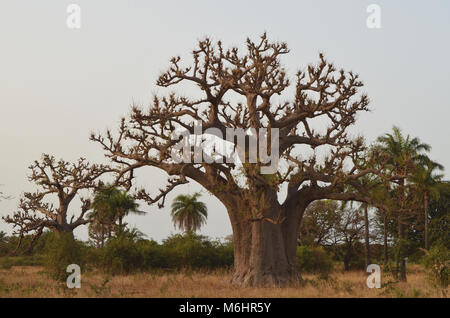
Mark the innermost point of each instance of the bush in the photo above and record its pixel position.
(121, 255)
(196, 251)
(437, 261)
(61, 250)
(314, 260)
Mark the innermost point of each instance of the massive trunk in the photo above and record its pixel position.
(265, 249)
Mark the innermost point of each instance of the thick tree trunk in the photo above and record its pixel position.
(265, 253)
(366, 236)
(425, 201)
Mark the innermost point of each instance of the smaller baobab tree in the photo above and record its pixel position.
(189, 214)
(60, 182)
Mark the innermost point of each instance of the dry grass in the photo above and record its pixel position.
(30, 281)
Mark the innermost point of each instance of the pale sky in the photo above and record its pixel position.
(59, 84)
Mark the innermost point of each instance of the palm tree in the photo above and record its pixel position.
(405, 153)
(122, 205)
(427, 183)
(109, 206)
(188, 214)
(101, 216)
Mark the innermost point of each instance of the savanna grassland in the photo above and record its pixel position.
(31, 281)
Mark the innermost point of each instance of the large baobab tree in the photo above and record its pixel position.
(244, 91)
(61, 182)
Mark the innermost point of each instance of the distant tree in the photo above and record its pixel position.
(439, 210)
(405, 153)
(318, 222)
(102, 216)
(188, 214)
(347, 232)
(337, 226)
(55, 179)
(3, 242)
(365, 208)
(123, 205)
(110, 205)
(427, 183)
(383, 227)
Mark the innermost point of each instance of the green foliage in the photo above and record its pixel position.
(125, 254)
(195, 251)
(437, 261)
(121, 255)
(61, 250)
(314, 260)
(109, 207)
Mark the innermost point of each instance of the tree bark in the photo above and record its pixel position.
(264, 252)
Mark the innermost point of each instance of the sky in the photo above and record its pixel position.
(57, 85)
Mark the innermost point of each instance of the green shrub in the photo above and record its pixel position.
(437, 261)
(121, 255)
(314, 260)
(61, 250)
(196, 251)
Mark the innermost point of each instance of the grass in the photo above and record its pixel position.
(31, 281)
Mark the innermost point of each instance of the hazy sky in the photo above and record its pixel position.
(58, 84)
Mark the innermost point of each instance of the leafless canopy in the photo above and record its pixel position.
(238, 91)
(61, 180)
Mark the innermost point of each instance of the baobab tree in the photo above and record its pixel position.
(62, 181)
(244, 91)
